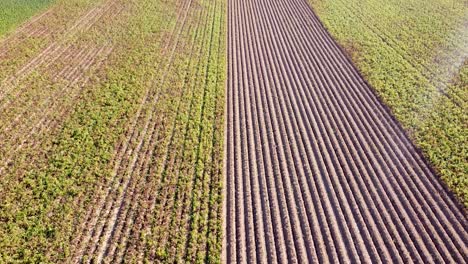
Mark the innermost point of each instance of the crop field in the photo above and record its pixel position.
(15, 12)
(235, 131)
(415, 54)
(97, 102)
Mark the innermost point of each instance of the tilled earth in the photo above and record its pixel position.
(317, 168)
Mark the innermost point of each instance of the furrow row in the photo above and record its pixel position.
(317, 169)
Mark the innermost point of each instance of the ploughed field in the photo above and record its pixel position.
(318, 170)
(111, 125)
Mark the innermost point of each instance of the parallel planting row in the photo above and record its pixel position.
(111, 133)
(414, 54)
(317, 168)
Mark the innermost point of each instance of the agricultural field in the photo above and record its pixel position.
(318, 170)
(111, 124)
(415, 55)
(235, 131)
(15, 12)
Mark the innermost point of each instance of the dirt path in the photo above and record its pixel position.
(316, 168)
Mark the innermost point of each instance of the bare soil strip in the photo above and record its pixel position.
(317, 169)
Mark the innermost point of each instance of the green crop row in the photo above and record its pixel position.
(414, 55)
(189, 195)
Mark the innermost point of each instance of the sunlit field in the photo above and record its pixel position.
(414, 54)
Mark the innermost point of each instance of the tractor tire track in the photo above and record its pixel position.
(317, 169)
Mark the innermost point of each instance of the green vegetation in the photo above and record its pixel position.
(414, 54)
(15, 12)
(50, 188)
